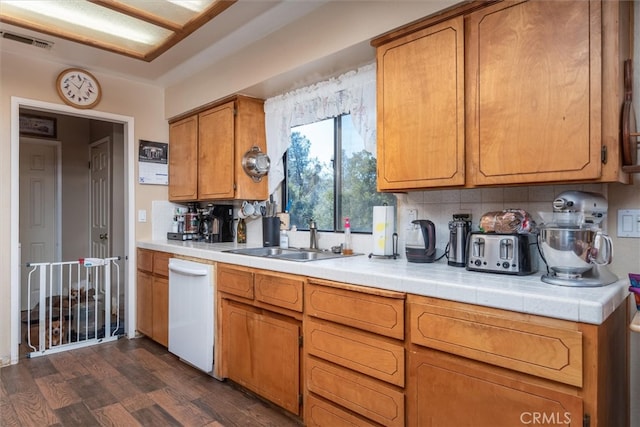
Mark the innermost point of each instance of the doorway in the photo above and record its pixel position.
(126, 233)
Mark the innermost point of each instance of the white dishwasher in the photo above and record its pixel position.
(191, 312)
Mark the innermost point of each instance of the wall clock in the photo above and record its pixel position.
(78, 88)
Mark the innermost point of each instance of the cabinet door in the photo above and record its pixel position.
(263, 354)
(421, 109)
(144, 303)
(183, 155)
(447, 391)
(216, 163)
(239, 329)
(161, 310)
(534, 92)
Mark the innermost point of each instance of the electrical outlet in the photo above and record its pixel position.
(412, 215)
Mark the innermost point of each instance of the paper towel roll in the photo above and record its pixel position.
(383, 229)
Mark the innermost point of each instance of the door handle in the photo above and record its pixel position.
(104, 236)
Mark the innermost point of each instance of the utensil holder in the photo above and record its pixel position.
(270, 231)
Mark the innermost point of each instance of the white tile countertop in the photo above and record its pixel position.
(524, 294)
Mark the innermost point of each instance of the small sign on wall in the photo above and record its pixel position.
(153, 164)
(39, 126)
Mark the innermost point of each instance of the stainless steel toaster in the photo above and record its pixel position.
(502, 253)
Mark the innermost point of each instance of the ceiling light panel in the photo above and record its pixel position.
(179, 12)
(141, 29)
(87, 20)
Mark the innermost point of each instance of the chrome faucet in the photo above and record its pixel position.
(313, 235)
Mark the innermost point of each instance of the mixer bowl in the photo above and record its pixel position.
(573, 249)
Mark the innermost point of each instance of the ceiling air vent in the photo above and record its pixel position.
(26, 40)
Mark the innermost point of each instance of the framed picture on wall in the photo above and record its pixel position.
(39, 126)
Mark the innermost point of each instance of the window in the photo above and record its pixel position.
(330, 176)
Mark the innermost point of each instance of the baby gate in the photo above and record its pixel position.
(78, 304)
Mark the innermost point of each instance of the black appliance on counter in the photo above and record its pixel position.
(224, 216)
(421, 244)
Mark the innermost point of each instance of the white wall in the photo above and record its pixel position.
(302, 53)
(33, 79)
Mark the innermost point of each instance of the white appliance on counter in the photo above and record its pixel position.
(191, 312)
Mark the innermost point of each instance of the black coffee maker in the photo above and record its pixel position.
(421, 242)
(216, 223)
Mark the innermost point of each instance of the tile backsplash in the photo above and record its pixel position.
(440, 205)
(435, 205)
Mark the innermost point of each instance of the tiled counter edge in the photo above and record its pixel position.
(524, 294)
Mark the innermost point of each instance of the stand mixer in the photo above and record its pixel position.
(572, 243)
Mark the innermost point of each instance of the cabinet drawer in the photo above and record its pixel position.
(145, 260)
(381, 312)
(370, 398)
(320, 413)
(507, 340)
(362, 352)
(161, 263)
(279, 290)
(235, 281)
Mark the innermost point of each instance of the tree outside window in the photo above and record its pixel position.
(330, 176)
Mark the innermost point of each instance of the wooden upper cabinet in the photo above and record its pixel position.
(534, 92)
(503, 93)
(183, 155)
(249, 132)
(206, 150)
(216, 155)
(420, 93)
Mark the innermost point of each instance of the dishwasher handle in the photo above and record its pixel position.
(188, 270)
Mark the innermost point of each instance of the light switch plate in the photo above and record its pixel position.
(142, 215)
(629, 223)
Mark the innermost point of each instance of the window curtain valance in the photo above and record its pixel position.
(353, 92)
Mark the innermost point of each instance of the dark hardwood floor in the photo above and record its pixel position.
(125, 383)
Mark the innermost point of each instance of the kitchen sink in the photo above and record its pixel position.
(290, 254)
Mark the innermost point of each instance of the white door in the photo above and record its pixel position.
(39, 209)
(100, 198)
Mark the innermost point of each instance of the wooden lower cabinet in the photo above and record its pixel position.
(263, 353)
(374, 357)
(259, 330)
(354, 355)
(160, 315)
(479, 366)
(144, 294)
(152, 295)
